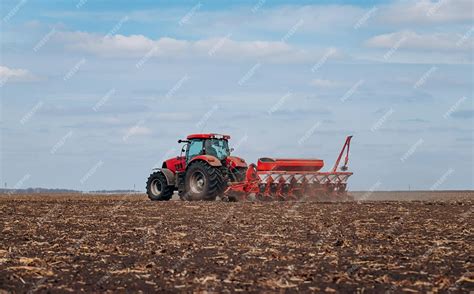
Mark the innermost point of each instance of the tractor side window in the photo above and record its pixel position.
(194, 149)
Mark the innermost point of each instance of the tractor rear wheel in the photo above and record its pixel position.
(203, 182)
(157, 187)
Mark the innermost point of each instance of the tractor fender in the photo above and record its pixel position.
(235, 161)
(211, 160)
(169, 175)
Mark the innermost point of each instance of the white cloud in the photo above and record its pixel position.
(12, 74)
(413, 40)
(134, 45)
(321, 83)
(137, 46)
(427, 11)
(245, 48)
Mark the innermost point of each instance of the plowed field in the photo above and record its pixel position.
(127, 243)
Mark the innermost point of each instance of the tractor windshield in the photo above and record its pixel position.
(217, 147)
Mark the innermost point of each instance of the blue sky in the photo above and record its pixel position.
(96, 93)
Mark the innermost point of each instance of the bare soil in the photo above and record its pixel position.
(66, 243)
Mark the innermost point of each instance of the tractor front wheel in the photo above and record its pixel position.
(157, 187)
(203, 182)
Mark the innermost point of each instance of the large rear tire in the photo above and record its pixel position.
(203, 182)
(157, 187)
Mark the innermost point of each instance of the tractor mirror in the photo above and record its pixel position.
(231, 149)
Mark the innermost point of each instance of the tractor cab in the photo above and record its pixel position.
(206, 144)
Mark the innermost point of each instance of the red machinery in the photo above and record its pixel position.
(292, 179)
(206, 170)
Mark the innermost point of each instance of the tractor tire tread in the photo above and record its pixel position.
(217, 183)
(167, 192)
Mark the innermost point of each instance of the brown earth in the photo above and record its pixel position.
(61, 243)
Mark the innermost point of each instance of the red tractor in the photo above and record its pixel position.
(206, 171)
(201, 173)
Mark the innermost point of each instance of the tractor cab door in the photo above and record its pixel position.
(195, 148)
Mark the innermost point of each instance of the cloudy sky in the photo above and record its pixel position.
(96, 93)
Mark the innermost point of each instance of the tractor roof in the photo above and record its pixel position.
(208, 136)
